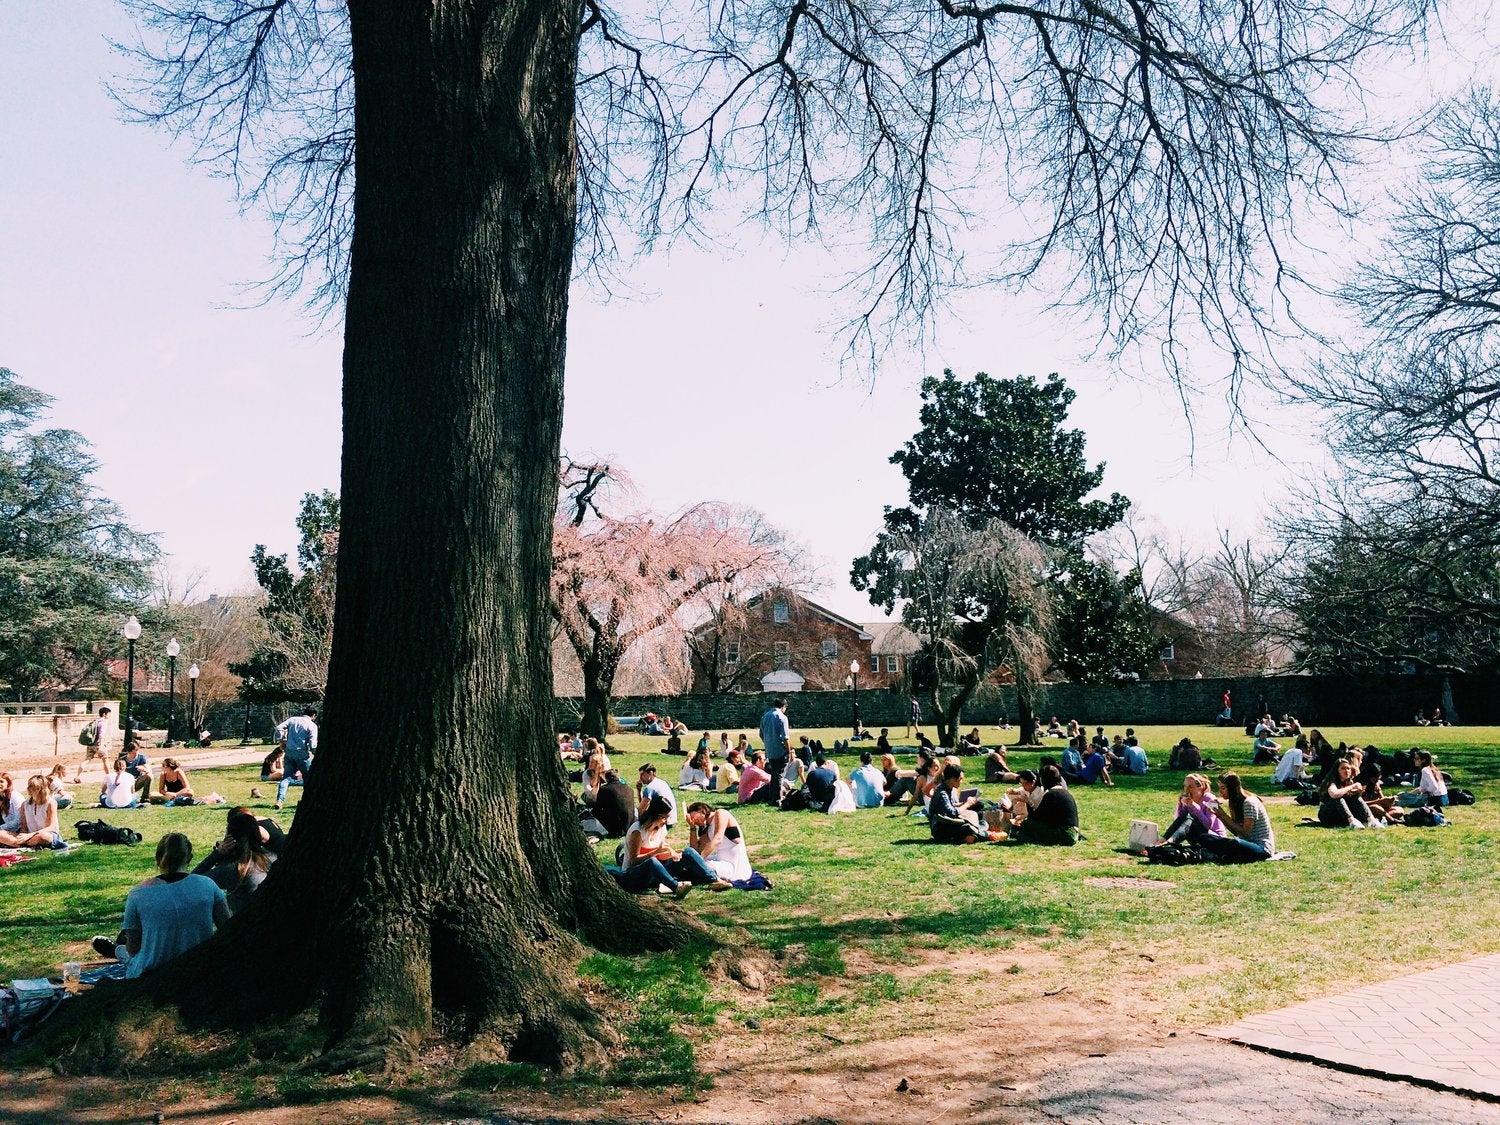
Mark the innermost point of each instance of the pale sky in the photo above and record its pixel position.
(121, 290)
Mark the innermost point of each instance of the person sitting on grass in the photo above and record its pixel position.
(239, 862)
(56, 787)
(955, 821)
(1021, 802)
(900, 785)
(646, 845)
(1371, 777)
(867, 783)
(36, 824)
(271, 766)
(169, 914)
(1054, 821)
(1133, 758)
(1290, 772)
(172, 786)
(715, 835)
(971, 743)
(883, 743)
(794, 777)
(1054, 728)
(996, 767)
(821, 785)
(694, 772)
(613, 809)
(119, 790)
(650, 787)
(1343, 804)
(1266, 750)
(1243, 814)
(1197, 812)
(1095, 770)
(727, 777)
(596, 765)
(1072, 760)
(755, 781)
(1431, 788)
(138, 766)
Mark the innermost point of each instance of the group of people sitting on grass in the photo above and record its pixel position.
(179, 908)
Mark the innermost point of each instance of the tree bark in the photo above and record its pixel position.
(1025, 716)
(598, 689)
(435, 861)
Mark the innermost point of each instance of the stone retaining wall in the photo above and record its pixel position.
(29, 731)
(1331, 700)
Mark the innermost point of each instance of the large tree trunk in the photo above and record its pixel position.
(435, 862)
(1026, 725)
(598, 689)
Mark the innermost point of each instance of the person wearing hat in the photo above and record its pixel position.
(652, 786)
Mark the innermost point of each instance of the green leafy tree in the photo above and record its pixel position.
(998, 453)
(71, 568)
(290, 664)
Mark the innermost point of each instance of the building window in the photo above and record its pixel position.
(732, 653)
(830, 650)
(1169, 651)
(874, 665)
(780, 614)
(782, 656)
(892, 664)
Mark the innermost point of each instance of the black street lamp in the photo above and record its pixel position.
(173, 648)
(193, 706)
(853, 684)
(131, 633)
(245, 738)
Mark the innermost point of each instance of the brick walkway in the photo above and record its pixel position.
(1440, 1027)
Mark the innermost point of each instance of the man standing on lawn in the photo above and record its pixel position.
(776, 735)
(299, 737)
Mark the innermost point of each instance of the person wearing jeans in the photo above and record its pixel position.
(647, 862)
(299, 735)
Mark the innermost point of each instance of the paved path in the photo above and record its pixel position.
(1440, 1027)
(1198, 1082)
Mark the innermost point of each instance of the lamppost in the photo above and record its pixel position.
(131, 633)
(173, 648)
(853, 682)
(245, 738)
(193, 706)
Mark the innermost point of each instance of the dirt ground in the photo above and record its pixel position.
(1045, 1056)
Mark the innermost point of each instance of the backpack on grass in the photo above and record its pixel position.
(1425, 817)
(98, 832)
(1460, 796)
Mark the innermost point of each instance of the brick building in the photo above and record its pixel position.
(781, 641)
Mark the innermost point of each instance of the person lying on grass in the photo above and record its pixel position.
(1054, 822)
(954, 820)
(996, 767)
(649, 863)
(715, 835)
(34, 825)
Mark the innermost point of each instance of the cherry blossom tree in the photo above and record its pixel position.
(622, 574)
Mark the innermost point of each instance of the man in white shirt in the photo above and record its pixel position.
(299, 738)
(1290, 769)
(652, 786)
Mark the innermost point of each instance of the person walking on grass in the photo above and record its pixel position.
(101, 732)
(299, 738)
(914, 717)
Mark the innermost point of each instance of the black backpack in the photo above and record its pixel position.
(1460, 796)
(98, 832)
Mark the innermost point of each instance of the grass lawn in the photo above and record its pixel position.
(872, 925)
